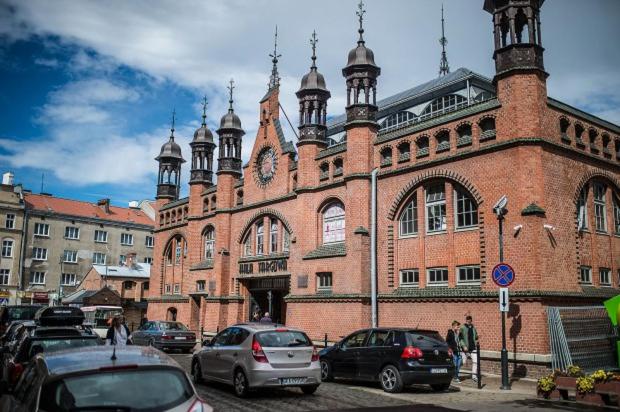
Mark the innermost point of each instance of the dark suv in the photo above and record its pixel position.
(394, 356)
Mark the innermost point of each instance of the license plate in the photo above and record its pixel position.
(180, 337)
(292, 381)
(439, 370)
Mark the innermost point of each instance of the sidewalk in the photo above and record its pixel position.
(492, 383)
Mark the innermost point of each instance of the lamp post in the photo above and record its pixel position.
(500, 211)
(59, 299)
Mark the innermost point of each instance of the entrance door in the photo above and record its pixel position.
(268, 297)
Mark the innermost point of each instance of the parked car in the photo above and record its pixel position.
(56, 328)
(165, 335)
(9, 314)
(13, 330)
(394, 357)
(253, 355)
(104, 378)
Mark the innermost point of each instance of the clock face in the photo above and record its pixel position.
(266, 165)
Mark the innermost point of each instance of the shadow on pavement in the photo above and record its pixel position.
(419, 407)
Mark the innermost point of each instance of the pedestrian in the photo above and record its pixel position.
(118, 333)
(266, 318)
(453, 341)
(469, 341)
(256, 316)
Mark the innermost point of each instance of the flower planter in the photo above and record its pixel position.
(590, 398)
(563, 384)
(554, 395)
(608, 388)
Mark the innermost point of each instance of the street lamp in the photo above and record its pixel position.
(500, 211)
(59, 300)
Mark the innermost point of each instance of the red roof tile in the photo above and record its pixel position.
(85, 209)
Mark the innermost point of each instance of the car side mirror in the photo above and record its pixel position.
(207, 342)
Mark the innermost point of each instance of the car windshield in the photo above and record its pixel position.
(282, 339)
(171, 326)
(54, 345)
(150, 390)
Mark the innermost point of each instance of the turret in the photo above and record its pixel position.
(202, 152)
(170, 160)
(230, 133)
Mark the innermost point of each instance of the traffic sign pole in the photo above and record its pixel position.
(504, 352)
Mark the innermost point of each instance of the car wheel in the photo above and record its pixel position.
(326, 371)
(440, 387)
(390, 379)
(197, 372)
(309, 390)
(240, 383)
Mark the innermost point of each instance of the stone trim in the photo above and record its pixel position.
(592, 175)
(260, 258)
(533, 210)
(205, 264)
(263, 212)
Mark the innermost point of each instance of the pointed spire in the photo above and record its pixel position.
(274, 79)
(444, 68)
(313, 41)
(230, 92)
(204, 110)
(172, 126)
(360, 14)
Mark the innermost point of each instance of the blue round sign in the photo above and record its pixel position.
(503, 275)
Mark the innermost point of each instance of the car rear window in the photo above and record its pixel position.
(172, 326)
(421, 338)
(57, 332)
(54, 345)
(131, 390)
(282, 339)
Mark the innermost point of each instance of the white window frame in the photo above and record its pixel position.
(177, 289)
(324, 281)
(101, 236)
(273, 236)
(5, 277)
(168, 289)
(201, 285)
(148, 260)
(600, 207)
(70, 256)
(71, 277)
(126, 239)
(98, 261)
(260, 238)
(466, 269)
(436, 209)
(582, 209)
(334, 224)
(149, 241)
(406, 275)
(409, 217)
(286, 240)
(616, 215)
(606, 274)
(72, 233)
(247, 244)
(37, 278)
(209, 243)
(41, 229)
(7, 248)
(465, 206)
(9, 223)
(436, 283)
(39, 253)
(585, 275)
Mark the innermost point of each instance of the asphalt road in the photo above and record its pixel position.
(347, 396)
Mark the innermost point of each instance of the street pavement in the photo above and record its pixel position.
(348, 396)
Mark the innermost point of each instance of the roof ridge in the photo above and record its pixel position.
(26, 195)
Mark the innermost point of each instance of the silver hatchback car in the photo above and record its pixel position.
(253, 355)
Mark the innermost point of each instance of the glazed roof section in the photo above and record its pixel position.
(138, 270)
(68, 207)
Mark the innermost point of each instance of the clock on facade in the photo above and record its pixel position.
(265, 166)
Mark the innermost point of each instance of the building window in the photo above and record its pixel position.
(273, 236)
(5, 276)
(10, 221)
(126, 239)
(409, 218)
(464, 135)
(435, 208)
(443, 141)
(397, 119)
(98, 258)
(324, 281)
(324, 171)
(168, 289)
(469, 274)
(564, 125)
(422, 145)
(599, 207)
(404, 152)
(145, 285)
(466, 210)
(41, 229)
(209, 243)
(438, 276)
(148, 260)
(443, 105)
(259, 238)
(200, 285)
(177, 253)
(122, 259)
(333, 224)
(617, 215)
(386, 156)
(605, 276)
(72, 232)
(286, 240)
(177, 289)
(7, 248)
(338, 167)
(70, 256)
(582, 209)
(101, 236)
(578, 133)
(37, 278)
(409, 277)
(128, 285)
(487, 128)
(67, 279)
(247, 244)
(39, 253)
(239, 197)
(585, 274)
(150, 241)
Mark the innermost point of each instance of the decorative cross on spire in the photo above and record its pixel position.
(230, 88)
(204, 110)
(174, 112)
(444, 68)
(274, 80)
(313, 41)
(360, 14)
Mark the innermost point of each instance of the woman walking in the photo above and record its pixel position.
(453, 341)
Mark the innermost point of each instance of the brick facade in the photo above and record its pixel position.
(525, 154)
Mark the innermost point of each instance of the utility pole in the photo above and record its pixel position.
(500, 210)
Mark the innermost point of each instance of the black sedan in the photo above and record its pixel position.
(395, 357)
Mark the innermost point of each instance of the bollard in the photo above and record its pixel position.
(202, 333)
(217, 330)
(479, 370)
(325, 340)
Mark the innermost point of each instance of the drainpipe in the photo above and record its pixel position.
(21, 281)
(373, 247)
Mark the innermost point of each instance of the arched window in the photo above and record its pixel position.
(605, 139)
(579, 134)
(521, 27)
(464, 134)
(564, 125)
(408, 222)
(171, 314)
(404, 152)
(239, 197)
(466, 209)
(397, 119)
(443, 141)
(247, 244)
(592, 135)
(334, 223)
(128, 285)
(338, 166)
(324, 171)
(286, 240)
(213, 202)
(443, 105)
(582, 209)
(260, 240)
(273, 236)
(616, 214)
(487, 128)
(209, 240)
(422, 144)
(205, 205)
(386, 156)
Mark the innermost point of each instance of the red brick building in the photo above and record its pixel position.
(292, 231)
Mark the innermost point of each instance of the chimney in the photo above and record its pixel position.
(104, 204)
(130, 260)
(7, 179)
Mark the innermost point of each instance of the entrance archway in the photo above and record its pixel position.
(171, 314)
(267, 295)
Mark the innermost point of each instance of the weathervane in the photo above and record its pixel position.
(444, 68)
(230, 93)
(360, 14)
(204, 110)
(313, 42)
(274, 80)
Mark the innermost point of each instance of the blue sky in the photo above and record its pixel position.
(87, 87)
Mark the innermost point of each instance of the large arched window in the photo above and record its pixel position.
(176, 250)
(408, 222)
(260, 238)
(267, 234)
(333, 223)
(465, 210)
(443, 105)
(209, 242)
(247, 244)
(273, 235)
(397, 119)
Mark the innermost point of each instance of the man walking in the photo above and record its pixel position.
(266, 318)
(469, 340)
